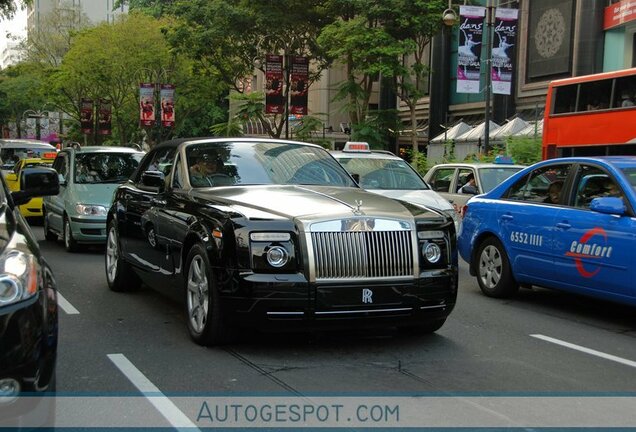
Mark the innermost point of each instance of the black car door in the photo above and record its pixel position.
(138, 224)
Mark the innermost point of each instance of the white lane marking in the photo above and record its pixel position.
(164, 405)
(65, 305)
(586, 350)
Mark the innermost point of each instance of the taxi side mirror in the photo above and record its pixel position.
(12, 177)
(608, 205)
(36, 182)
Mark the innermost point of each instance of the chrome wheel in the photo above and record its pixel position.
(198, 295)
(112, 255)
(490, 266)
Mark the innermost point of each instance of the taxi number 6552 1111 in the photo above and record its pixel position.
(525, 238)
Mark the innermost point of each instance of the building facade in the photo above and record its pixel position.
(79, 11)
(555, 39)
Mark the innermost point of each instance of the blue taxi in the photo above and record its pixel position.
(567, 224)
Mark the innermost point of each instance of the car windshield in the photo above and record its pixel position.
(242, 163)
(377, 173)
(102, 167)
(492, 177)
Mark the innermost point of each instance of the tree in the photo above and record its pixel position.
(230, 38)
(109, 61)
(412, 24)
(21, 88)
(9, 7)
(356, 40)
(54, 35)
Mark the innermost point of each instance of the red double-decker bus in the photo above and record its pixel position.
(591, 115)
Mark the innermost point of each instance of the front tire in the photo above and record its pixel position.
(494, 274)
(69, 242)
(48, 234)
(203, 308)
(119, 275)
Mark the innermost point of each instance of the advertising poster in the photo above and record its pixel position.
(167, 105)
(86, 116)
(471, 30)
(31, 128)
(299, 85)
(104, 115)
(146, 104)
(274, 102)
(504, 40)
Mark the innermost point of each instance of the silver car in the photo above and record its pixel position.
(386, 174)
(448, 179)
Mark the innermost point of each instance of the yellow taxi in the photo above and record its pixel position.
(34, 207)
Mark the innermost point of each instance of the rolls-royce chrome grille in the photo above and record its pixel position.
(362, 254)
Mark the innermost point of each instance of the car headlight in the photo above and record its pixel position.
(431, 252)
(18, 277)
(91, 210)
(272, 252)
(277, 256)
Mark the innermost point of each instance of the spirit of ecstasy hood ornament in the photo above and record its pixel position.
(356, 210)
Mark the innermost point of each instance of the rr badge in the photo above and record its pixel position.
(367, 296)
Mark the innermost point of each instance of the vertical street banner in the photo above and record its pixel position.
(299, 79)
(274, 103)
(503, 51)
(471, 31)
(86, 116)
(31, 127)
(146, 104)
(166, 95)
(104, 115)
(54, 125)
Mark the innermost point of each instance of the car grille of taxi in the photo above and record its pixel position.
(359, 255)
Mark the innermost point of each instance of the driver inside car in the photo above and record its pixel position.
(205, 171)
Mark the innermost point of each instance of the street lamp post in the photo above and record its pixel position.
(490, 11)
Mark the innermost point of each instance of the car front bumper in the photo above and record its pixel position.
(290, 302)
(87, 229)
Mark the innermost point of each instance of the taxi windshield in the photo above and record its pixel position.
(492, 177)
(387, 174)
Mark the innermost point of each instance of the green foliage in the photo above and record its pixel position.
(22, 87)
(419, 161)
(524, 150)
(231, 128)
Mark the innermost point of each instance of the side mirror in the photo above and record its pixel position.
(154, 179)
(36, 182)
(12, 177)
(608, 205)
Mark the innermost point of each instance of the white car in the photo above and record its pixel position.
(447, 179)
(386, 174)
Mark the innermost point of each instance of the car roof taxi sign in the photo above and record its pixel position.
(352, 146)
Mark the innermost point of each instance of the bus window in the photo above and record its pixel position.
(624, 93)
(565, 99)
(595, 95)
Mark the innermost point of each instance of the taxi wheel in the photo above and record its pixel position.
(205, 323)
(493, 270)
(69, 242)
(48, 234)
(119, 276)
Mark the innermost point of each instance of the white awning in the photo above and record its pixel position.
(478, 132)
(452, 133)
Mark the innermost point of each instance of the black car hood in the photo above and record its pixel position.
(309, 203)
